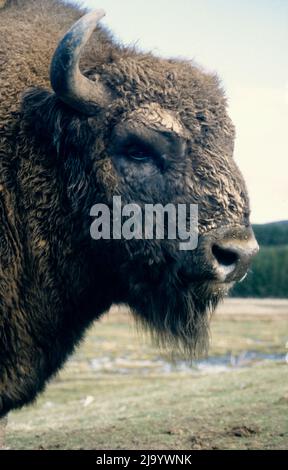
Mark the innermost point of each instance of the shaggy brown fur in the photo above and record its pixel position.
(56, 163)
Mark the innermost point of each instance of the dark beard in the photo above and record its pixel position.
(178, 319)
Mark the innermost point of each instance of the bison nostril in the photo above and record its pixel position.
(225, 256)
(229, 252)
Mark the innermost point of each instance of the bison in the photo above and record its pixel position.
(107, 120)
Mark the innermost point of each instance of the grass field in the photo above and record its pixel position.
(119, 392)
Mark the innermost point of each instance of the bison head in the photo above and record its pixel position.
(152, 131)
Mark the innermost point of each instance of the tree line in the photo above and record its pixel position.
(268, 275)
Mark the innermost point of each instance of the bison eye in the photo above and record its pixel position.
(139, 153)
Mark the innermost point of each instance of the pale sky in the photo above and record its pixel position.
(245, 42)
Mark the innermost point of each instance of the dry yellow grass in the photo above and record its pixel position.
(119, 392)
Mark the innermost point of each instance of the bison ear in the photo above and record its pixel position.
(67, 81)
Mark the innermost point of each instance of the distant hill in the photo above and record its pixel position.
(274, 233)
(268, 276)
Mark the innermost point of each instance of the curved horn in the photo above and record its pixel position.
(66, 79)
